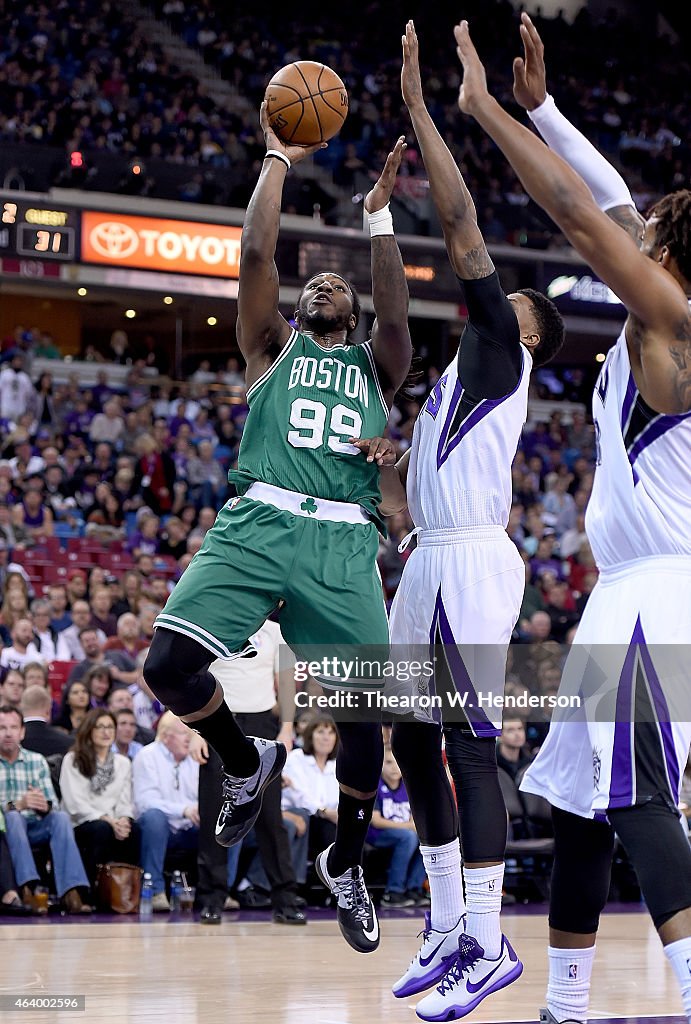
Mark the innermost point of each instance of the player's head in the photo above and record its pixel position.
(328, 303)
(540, 324)
(667, 236)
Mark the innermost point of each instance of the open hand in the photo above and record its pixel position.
(378, 197)
(294, 153)
(377, 449)
(474, 88)
(529, 73)
(411, 82)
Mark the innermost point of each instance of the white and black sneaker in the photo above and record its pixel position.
(242, 798)
(356, 915)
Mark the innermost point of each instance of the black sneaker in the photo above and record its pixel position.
(397, 899)
(548, 1018)
(356, 915)
(242, 798)
(420, 897)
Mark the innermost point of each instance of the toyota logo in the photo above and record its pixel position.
(114, 240)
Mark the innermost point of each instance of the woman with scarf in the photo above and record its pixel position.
(96, 787)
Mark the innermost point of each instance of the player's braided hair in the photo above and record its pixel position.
(550, 326)
(673, 227)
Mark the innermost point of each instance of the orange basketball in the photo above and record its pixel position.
(306, 102)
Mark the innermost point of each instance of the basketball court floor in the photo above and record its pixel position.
(247, 971)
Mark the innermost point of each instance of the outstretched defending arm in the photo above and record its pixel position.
(489, 357)
(391, 345)
(452, 200)
(648, 291)
(261, 330)
(609, 189)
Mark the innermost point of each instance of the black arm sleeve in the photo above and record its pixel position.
(489, 355)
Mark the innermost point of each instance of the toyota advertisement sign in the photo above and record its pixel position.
(155, 243)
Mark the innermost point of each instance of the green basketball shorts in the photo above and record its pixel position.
(257, 555)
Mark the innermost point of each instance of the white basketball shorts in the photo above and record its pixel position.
(630, 664)
(458, 600)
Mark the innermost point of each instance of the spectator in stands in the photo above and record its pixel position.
(173, 537)
(311, 789)
(109, 424)
(14, 607)
(49, 643)
(126, 730)
(154, 476)
(81, 619)
(23, 649)
(512, 753)
(35, 673)
(120, 699)
(30, 514)
(93, 654)
(10, 902)
(561, 607)
(208, 483)
(127, 639)
(166, 782)
(393, 828)
(32, 818)
(98, 682)
(76, 587)
(16, 390)
(101, 615)
(12, 687)
(132, 594)
(60, 617)
(147, 709)
(96, 787)
(74, 707)
(39, 735)
(145, 539)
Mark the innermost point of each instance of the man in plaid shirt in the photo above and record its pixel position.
(27, 797)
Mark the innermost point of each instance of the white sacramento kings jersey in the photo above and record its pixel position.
(641, 501)
(461, 454)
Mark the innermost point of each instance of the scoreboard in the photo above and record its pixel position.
(38, 230)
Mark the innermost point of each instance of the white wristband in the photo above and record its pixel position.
(543, 113)
(279, 156)
(381, 222)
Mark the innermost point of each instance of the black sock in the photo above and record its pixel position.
(354, 815)
(238, 753)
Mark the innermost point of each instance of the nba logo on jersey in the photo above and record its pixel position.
(232, 503)
(573, 971)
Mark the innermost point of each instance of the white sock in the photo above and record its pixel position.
(443, 867)
(679, 955)
(568, 988)
(483, 896)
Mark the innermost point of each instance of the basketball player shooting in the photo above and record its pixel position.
(623, 775)
(304, 530)
(462, 589)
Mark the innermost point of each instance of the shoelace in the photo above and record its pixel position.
(232, 787)
(460, 963)
(355, 893)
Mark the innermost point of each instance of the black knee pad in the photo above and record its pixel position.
(580, 873)
(417, 748)
(360, 755)
(176, 670)
(473, 765)
(652, 836)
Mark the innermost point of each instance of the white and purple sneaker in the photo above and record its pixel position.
(470, 977)
(430, 962)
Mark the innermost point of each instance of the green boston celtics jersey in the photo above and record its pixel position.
(302, 411)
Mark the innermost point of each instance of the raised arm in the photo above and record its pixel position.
(261, 330)
(609, 189)
(647, 290)
(391, 345)
(452, 201)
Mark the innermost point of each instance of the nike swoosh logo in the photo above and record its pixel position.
(474, 988)
(424, 962)
(219, 828)
(372, 936)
